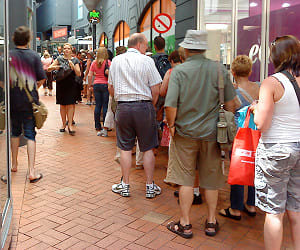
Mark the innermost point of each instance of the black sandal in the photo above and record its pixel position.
(229, 215)
(251, 214)
(3, 179)
(211, 225)
(180, 230)
(36, 179)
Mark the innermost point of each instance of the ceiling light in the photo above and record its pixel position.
(253, 4)
(285, 5)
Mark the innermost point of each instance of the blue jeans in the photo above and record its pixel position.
(23, 121)
(101, 97)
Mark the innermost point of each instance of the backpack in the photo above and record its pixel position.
(162, 64)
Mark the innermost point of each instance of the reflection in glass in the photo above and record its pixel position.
(249, 33)
(284, 20)
(3, 145)
(218, 15)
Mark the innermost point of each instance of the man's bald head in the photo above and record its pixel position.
(135, 39)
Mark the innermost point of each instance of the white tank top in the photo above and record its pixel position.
(285, 125)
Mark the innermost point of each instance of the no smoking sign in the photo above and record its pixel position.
(162, 23)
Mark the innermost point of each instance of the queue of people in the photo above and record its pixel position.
(140, 95)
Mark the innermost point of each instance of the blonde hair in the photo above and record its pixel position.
(46, 55)
(241, 65)
(68, 44)
(102, 55)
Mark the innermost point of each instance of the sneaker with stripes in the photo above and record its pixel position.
(152, 190)
(121, 188)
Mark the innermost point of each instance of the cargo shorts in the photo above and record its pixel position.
(277, 177)
(186, 155)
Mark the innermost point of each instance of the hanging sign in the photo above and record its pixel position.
(60, 33)
(94, 16)
(162, 23)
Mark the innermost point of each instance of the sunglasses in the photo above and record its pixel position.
(273, 43)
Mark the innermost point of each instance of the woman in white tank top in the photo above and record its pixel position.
(277, 168)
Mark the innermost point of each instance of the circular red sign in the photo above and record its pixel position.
(162, 23)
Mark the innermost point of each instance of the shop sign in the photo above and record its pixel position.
(94, 16)
(162, 23)
(60, 33)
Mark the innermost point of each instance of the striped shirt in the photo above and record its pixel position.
(132, 75)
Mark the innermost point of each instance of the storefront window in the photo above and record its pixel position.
(217, 21)
(284, 20)
(103, 42)
(121, 34)
(146, 23)
(249, 33)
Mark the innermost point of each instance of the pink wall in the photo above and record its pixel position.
(275, 5)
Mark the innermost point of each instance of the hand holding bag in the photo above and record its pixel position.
(242, 164)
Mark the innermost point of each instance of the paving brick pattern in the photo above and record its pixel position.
(73, 207)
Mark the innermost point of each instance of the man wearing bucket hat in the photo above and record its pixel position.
(192, 105)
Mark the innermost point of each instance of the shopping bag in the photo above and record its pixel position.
(242, 164)
(165, 140)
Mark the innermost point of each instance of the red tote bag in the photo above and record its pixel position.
(242, 164)
(165, 140)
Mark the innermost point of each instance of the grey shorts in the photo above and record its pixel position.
(277, 177)
(136, 119)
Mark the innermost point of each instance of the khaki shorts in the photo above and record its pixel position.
(186, 155)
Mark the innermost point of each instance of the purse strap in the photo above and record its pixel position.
(23, 83)
(294, 83)
(221, 87)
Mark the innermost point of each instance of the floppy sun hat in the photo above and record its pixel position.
(195, 39)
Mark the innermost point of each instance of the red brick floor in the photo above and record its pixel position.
(73, 207)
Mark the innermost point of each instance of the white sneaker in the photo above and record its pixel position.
(152, 190)
(104, 133)
(122, 189)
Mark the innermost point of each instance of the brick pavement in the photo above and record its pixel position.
(73, 207)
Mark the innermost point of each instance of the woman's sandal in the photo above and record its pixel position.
(251, 214)
(180, 229)
(229, 215)
(211, 225)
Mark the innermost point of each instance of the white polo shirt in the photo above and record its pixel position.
(132, 75)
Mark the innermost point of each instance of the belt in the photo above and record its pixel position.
(140, 101)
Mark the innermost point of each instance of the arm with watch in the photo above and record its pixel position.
(171, 117)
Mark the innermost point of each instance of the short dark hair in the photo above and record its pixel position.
(120, 50)
(135, 39)
(21, 36)
(285, 54)
(174, 57)
(159, 42)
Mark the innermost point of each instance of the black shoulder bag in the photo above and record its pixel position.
(294, 82)
(106, 67)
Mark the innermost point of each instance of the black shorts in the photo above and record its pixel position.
(136, 119)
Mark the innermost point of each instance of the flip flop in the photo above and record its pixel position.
(229, 215)
(36, 179)
(251, 214)
(3, 179)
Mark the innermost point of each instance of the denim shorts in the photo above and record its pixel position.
(136, 119)
(23, 121)
(277, 177)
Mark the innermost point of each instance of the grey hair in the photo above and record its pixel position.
(135, 39)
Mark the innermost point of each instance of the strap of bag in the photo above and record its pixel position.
(221, 87)
(246, 94)
(294, 83)
(23, 83)
(247, 119)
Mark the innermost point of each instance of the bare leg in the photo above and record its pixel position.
(63, 114)
(273, 230)
(31, 149)
(149, 164)
(186, 197)
(15, 141)
(294, 219)
(211, 197)
(70, 115)
(126, 165)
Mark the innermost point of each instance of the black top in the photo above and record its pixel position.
(25, 70)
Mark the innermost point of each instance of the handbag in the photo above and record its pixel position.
(2, 116)
(226, 127)
(64, 70)
(106, 67)
(165, 140)
(242, 164)
(40, 111)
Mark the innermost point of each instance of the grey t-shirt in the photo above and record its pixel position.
(193, 90)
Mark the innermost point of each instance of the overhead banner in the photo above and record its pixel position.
(60, 33)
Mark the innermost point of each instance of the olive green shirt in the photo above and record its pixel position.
(193, 90)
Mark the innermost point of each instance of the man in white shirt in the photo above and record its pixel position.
(134, 82)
